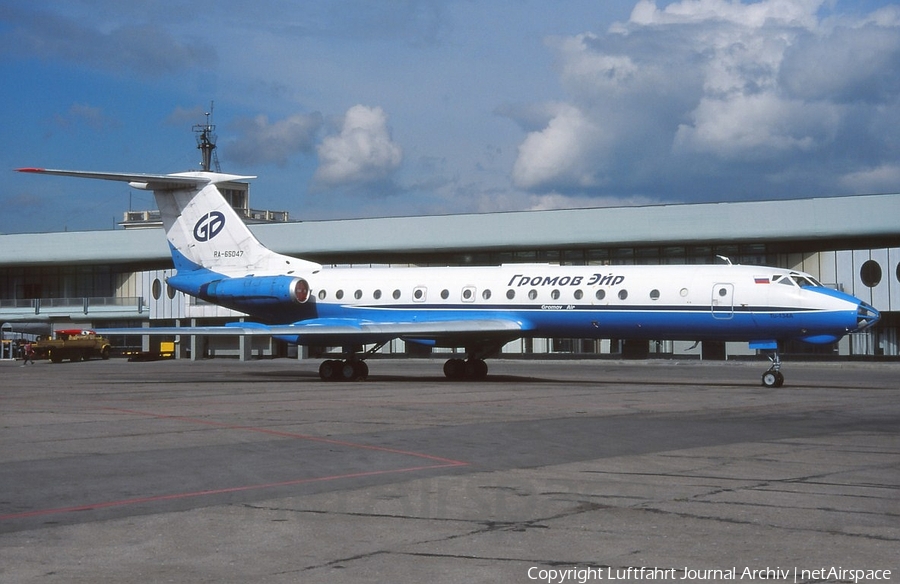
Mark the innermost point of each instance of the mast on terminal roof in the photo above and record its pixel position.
(206, 143)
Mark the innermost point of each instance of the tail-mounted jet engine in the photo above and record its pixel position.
(256, 291)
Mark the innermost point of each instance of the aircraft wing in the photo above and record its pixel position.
(336, 331)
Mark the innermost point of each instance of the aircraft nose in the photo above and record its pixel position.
(866, 316)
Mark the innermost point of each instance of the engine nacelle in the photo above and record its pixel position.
(255, 291)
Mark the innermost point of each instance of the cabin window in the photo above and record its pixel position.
(468, 294)
(339, 294)
(396, 294)
(532, 294)
(419, 294)
(445, 294)
(486, 294)
(601, 294)
(322, 294)
(684, 292)
(623, 294)
(579, 294)
(723, 292)
(377, 294)
(654, 294)
(357, 294)
(555, 295)
(510, 293)
(157, 289)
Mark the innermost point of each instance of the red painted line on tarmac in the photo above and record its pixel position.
(177, 496)
(440, 462)
(294, 435)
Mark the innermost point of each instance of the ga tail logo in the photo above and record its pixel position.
(209, 226)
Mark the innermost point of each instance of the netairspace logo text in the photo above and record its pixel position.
(796, 575)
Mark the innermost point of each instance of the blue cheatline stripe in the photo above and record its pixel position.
(566, 307)
(656, 322)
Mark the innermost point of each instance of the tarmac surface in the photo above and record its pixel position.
(547, 471)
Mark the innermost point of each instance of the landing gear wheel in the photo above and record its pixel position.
(353, 370)
(476, 369)
(329, 370)
(773, 379)
(471, 369)
(346, 370)
(455, 369)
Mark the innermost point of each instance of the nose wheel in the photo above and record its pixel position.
(773, 377)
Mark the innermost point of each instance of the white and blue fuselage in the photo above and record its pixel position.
(478, 308)
(684, 302)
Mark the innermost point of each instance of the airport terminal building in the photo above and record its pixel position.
(117, 278)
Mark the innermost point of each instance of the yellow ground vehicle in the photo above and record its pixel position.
(72, 344)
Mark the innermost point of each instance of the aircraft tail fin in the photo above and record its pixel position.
(203, 230)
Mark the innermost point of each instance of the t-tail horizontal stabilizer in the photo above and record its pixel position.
(204, 232)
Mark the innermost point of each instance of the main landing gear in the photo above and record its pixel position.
(469, 369)
(351, 368)
(357, 370)
(343, 370)
(473, 367)
(773, 377)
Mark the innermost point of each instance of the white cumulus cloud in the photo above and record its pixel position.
(560, 149)
(363, 152)
(721, 99)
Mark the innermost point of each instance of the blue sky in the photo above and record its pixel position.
(362, 108)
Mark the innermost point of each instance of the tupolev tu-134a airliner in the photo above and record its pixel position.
(479, 309)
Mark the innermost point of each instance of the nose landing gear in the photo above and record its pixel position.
(773, 377)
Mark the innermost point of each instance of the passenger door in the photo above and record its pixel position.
(722, 302)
